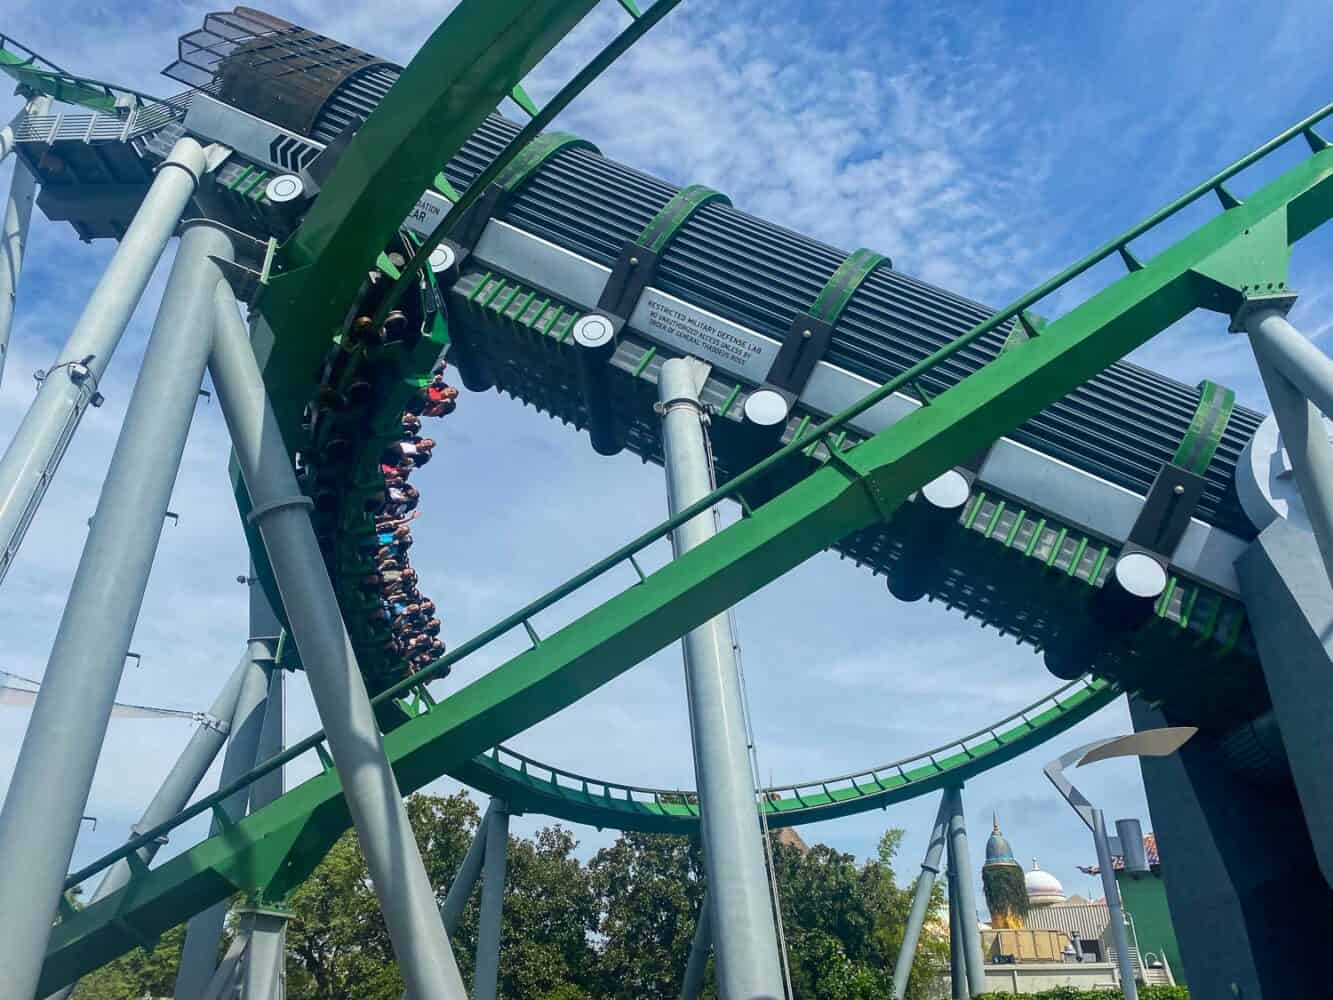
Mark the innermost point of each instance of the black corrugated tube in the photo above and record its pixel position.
(1123, 424)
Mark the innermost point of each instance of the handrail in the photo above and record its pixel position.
(798, 442)
(32, 65)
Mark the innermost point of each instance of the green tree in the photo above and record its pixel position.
(550, 914)
(337, 943)
(844, 923)
(138, 973)
(616, 928)
(649, 888)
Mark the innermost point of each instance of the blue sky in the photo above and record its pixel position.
(981, 146)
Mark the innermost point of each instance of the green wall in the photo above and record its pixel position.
(1144, 897)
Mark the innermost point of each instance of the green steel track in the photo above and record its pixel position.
(487, 48)
(528, 785)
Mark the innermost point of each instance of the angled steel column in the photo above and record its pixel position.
(373, 797)
(967, 900)
(14, 221)
(266, 926)
(1307, 367)
(224, 982)
(744, 933)
(46, 800)
(925, 884)
(957, 963)
(179, 784)
(1285, 357)
(30, 461)
(203, 934)
(700, 945)
(455, 902)
(486, 976)
(184, 777)
(465, 880)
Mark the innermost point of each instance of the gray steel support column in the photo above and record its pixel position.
(967, 900)
(262, 975)
(455, 901)
(1305, 366)
(486, 975)
(957, 964)
(264, 970)
(224, 982)
(373, 797)
(47, 796)
(744, 933)
(700, 945)
(14, 219)
(1115, 914)
(30, 461)
(178, 786)
(203, 934)
(1279, 350)
(1290, 603)
(184, 777)
(925, 884)
(465, 880)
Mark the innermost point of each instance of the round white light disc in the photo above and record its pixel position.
(1140, 575)
(765, 408)
(593, 331)
(285, 188)
(441, 259)
(947, 492)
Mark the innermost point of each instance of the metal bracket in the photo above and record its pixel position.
(632, 273)
(244, 282)
(637, 265)
(808, 338)
(1279, 302)
(1166, 512)
(1250, 267)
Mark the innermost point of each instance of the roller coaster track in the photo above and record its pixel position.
(487, 48)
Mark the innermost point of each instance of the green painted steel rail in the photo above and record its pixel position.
(41, 76)
(528, 785)
(577, 85)
(466, 68)
(277, 846)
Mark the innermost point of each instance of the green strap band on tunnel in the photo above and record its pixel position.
(659, 233)
(534, 156)
(1206, 429)
(842, 286)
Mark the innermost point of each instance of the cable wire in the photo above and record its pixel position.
(12, 695)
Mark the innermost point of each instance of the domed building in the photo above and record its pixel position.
(1043, 888)
(1002, 880)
